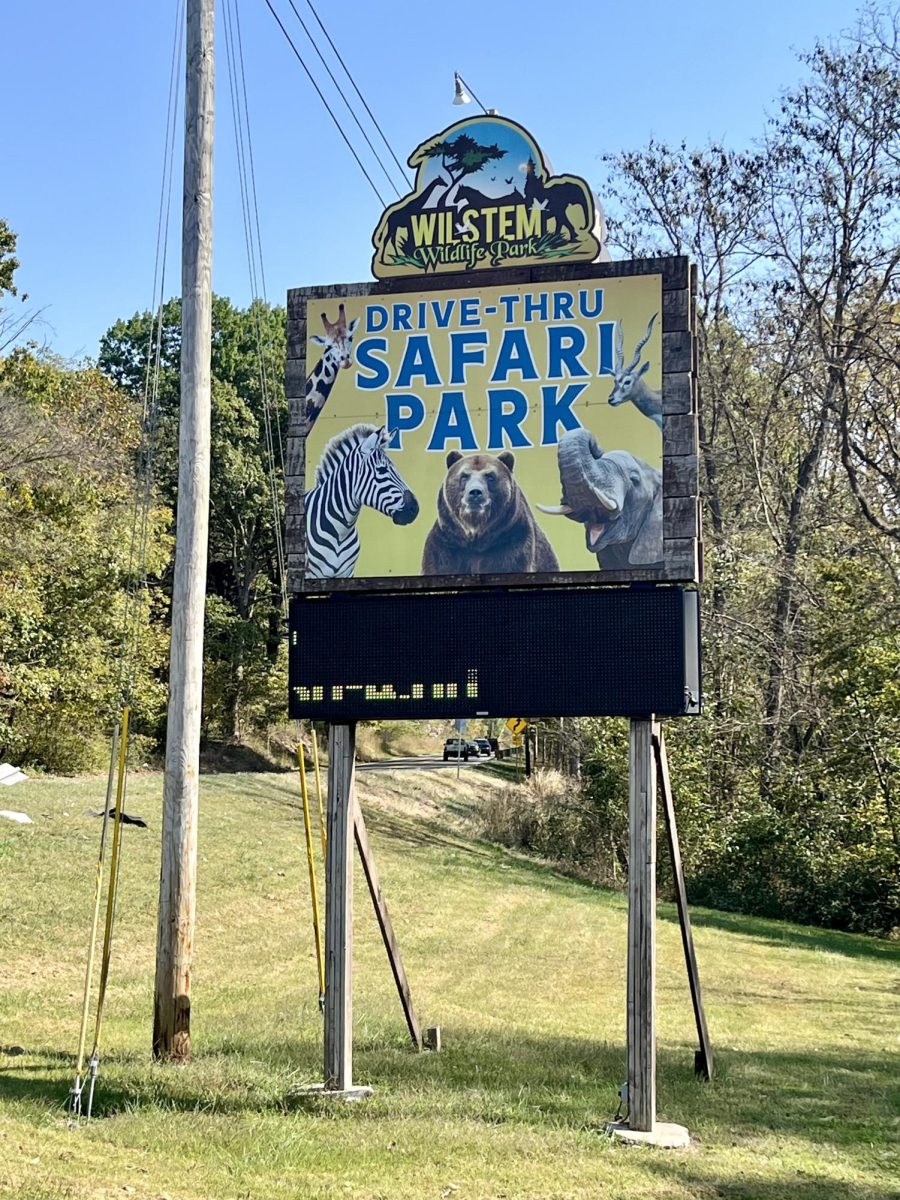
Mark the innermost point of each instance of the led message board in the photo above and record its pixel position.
(547, 652)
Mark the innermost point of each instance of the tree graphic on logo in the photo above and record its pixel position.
(461, 156)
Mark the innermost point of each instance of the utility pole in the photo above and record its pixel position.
(175, 931)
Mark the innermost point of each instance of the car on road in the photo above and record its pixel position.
(484, 747)
(474, 748)
(457, 748)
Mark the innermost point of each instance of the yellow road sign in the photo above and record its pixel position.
(516, 725)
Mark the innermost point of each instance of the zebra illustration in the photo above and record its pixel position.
(354, 470)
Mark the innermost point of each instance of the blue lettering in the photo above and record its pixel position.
(418, 360)
(565, 344)
(507, 409)
(402, 313)
(452, 424)
(536, 305)
(583, 304)
(562, 306)
(605, 329)
(509, 303)
(514, 355)
(376, 318)
(402, 413)
(557, 410)
(461, 356)
(469, 311)
(442, 316)
(365, 361)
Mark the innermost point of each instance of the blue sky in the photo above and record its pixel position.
(84, 97)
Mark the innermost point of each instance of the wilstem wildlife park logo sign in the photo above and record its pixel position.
(484, 198)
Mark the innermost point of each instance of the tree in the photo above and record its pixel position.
(788, 788)
(869, 411)
(78, 634)
(9, 264)
(11, 328)
(831, 207)
(244, 643)
(869, 417)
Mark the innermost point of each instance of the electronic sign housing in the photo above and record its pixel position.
(548, 652)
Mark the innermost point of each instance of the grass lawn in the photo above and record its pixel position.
(523, 968)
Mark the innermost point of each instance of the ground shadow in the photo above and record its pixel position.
(229, 758)
(21, 1052)
(796, 937)
(845, 1098)
(784, 1187)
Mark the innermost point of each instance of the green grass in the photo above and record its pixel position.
(523, 968)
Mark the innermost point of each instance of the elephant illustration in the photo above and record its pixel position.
(616, 497)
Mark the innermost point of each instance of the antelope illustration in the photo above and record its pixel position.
(338, 343)
(629, 382)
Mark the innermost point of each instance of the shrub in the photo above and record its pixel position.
(552, 816)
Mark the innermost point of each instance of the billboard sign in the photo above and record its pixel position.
(484, 197)
(499, 423)
(510, 432)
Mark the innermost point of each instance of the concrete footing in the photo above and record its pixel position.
(318, 1091)
(663, 1134)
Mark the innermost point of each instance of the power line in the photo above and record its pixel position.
(143, 496)
(262, 270)
(328, 108)
(340, 91)
(240, 43)
(244, 152)
(358, 92)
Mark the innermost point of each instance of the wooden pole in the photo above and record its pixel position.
(703, 1062)
(641, 926)
(386, 926)
(338, 1073)
(175, 931)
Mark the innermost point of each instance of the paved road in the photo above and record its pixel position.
(427, 762)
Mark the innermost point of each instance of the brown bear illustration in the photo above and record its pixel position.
(484, 525)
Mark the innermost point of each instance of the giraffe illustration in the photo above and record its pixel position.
(338, 343)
